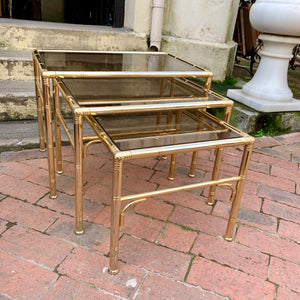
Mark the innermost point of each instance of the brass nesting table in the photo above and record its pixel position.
(139, 104)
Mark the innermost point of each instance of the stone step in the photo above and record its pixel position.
(17, 88)
(24, 34)
(19, 37)
(16, 65)
(17, 100)
(25, 134)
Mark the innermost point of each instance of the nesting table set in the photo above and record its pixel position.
(139, 104)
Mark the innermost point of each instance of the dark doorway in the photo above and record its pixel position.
(21, 9)
(95, 12)
(90, 12)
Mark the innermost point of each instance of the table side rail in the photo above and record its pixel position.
(181, 188)
(147, 107)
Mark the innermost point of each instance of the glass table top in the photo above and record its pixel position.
(132, 91)
(145, 63)
(148, 130)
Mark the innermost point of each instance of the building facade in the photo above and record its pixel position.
(200, 31)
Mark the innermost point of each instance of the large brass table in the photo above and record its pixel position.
(54, 64)
(110, 81)
(138, 135)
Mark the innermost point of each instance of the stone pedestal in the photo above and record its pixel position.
(268, 91)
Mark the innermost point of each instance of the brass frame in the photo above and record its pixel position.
(43, 80)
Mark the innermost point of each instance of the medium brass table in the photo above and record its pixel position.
(138, 135)
(115, 96)
(151, 80)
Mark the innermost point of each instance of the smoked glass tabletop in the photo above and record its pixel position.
(132, 91)
(150, 130)
(117, 62)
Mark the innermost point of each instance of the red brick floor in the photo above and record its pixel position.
(171, 246)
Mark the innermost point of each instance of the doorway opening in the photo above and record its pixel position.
(88, 12)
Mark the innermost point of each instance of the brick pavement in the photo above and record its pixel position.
(170, 246)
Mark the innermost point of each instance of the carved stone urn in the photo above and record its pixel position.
(268, 90)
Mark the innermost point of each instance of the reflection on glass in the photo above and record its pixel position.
(111, 62)
(147, 130)
(120, 91)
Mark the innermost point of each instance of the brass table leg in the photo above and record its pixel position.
(215, 175)
(162, 91)
(193, 164)
(195, 154)
(49, 134)
(227, 114)
(172, 167)
(173, 156)
(78, 144)
(39, 108)
(57, 130)
(40, 123)
(115, 216)
(239, 190)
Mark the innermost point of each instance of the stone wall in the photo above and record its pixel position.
(199, 31)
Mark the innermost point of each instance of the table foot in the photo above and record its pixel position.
(113, 272)
(79, 232)
(228, 239)
(211, 197)
(208, 202)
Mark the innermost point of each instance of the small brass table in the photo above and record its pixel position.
(112, 96)
(138, 135)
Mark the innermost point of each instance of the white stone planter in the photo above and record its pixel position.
(280, 17)
(268, 91)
